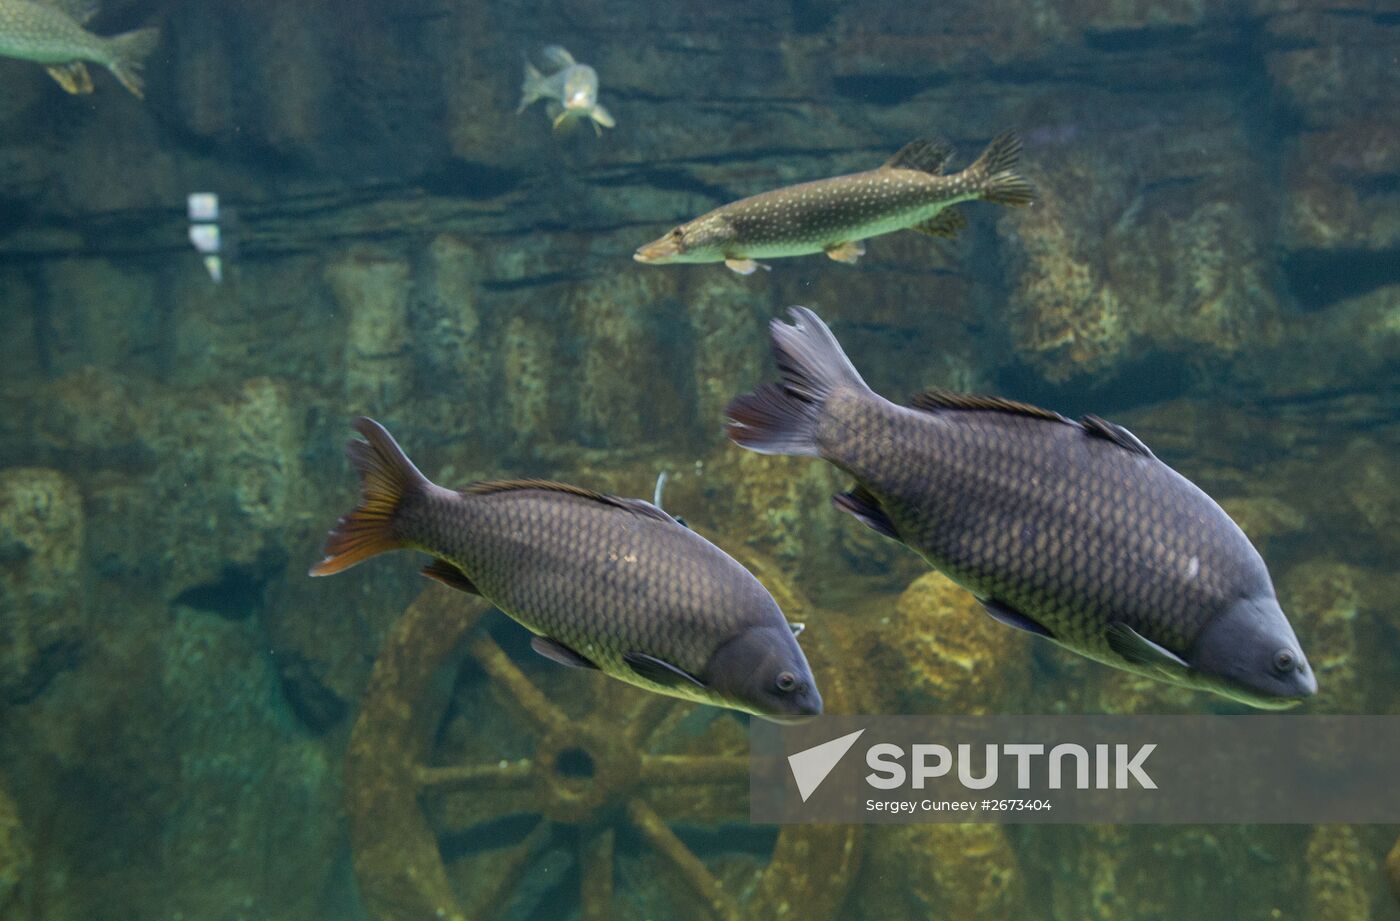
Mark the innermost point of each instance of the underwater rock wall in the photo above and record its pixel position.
(1220, 190)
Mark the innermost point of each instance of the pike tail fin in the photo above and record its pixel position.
(387, 477)
(128, 53)
(782, 418)
(1001, 184)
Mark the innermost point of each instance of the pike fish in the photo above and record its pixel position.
(834, 216)
(604, 583)
(1070, 530)
(50, 32)
(571, 89)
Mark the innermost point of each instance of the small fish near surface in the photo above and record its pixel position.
(1070, 530)
(833, 216)
(603, 582)
(50, 32)
(571, 89)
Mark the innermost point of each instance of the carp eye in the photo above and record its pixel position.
(1284, 661)
(786, 682)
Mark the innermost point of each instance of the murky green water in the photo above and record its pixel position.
(190, 728)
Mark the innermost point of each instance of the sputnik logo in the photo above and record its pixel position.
(810, 766)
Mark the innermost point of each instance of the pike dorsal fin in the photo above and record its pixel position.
(1102, 428)
(635, 506)
(927, 155)
(935, 400)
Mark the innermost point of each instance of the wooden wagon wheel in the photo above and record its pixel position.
(590, 779)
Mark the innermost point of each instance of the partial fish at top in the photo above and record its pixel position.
(910, 192)
(570, 87)
(50, 32)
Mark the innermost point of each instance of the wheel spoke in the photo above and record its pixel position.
(694, 769)
(503, 775)
(710, 890)
(513, 687)
(509, 872)
(596, 870)
(649, 716)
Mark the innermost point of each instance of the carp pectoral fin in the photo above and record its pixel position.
(945, 223)
(848, 252)
(796, 627)
(1014, 618)
(866, 509)
(74, 77)
(744, 266)
(556, 651)
(449, 575)
(663, 673)
(1139, 650)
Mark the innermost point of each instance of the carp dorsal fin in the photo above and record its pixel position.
(81, 10)
(936, 399)
(636, 506)
(927, 155)
(1102, 428)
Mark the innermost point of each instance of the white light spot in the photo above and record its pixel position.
(1193, 567)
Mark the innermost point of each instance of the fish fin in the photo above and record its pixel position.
(387, 477)
(636, 506)
(556, 651)
(848, 252)
(1139, 650)
(927, 155)
(558, 56)
(796, 627)
(602, 116)
(1001, 184)
(1008, 615)
(936, 399)
(663, 673)
(128, 54)
(450, 575)
(861, 504)
(1102, 428)
(945, 223)
(745, 266)
(532, 88)
(782, 418)
(73, 77)
(82, 11)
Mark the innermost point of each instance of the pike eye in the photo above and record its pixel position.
(786, 682)
(1284, 661)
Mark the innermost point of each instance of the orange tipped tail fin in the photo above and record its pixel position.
(387, 476)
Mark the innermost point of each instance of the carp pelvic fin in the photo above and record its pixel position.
(945, 223)
(1004, 613)
(556, 651)
(1139, 650)
(1102, 428)
(449, 575)
(387, 476)
(663, 673)
(745, 266)
(927, 155)
(866, 509)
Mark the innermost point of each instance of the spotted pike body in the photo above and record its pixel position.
(603, 582)
(1071, 530)
(909, 192)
